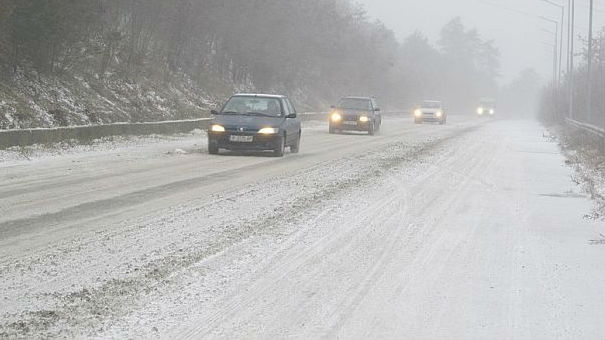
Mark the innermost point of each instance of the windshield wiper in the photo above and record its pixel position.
(230, 113)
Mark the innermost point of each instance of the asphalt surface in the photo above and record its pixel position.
(470, 230)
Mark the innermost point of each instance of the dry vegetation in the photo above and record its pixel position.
(586, 154)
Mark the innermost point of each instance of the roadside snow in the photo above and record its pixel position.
(19, 155)
(435, 232)
(85, 285)
(22, 155)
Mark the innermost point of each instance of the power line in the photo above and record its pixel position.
(506, 8)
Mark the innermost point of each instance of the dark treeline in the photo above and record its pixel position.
(313, 50)
(555, 104)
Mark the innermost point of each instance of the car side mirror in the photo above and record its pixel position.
(377, 109)
(332, 106)
(291, 116)
(213, 112)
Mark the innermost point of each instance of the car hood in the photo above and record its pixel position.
(353, 112)
(248, 122)
(427, 110)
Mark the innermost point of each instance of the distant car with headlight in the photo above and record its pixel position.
(430, 111)
(255, 122)
(356, 114)
(487, 108)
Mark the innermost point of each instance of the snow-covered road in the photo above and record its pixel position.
(471, 230)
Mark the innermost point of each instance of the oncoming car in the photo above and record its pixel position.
(255, 122)
(487, 108)
(430, 111)
(356, 114)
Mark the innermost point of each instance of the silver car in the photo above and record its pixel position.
(430, 111)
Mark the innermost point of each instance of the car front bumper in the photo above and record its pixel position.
(258, 143)
(430, 118)
(351, 125)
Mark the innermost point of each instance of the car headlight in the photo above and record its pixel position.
(336, 117)
(217, 128)
(268, 131)
(480, 110)
(492, 111)
(439, 114)
(364, 119)
(418, 113)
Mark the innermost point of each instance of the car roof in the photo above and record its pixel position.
(432, 101)
(259, 95)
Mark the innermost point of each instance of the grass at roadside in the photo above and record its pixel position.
(586, 155)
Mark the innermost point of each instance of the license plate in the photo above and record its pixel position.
(241, 139)
(351, 123)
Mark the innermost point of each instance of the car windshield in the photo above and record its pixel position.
(246, 105)
(354, 104)
(431, 105)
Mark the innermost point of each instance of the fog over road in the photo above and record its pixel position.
(470, 230)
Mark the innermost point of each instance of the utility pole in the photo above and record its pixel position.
(556, 44)
(560, 58)
(561, 42)
(568, 33)
(554, 69)
(590, 62)
(556, 83)
(554, 58)
(572, 14)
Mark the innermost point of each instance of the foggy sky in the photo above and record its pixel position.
(513, 24)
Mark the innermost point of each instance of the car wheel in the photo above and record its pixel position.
(372, 130)
(332, 130)
(281, 145)
(296, 147)
(213, 148)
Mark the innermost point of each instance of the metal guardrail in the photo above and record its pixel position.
(86, 133)
(595, 130)
(26, 137)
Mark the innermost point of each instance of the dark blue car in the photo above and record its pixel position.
(255, 122)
